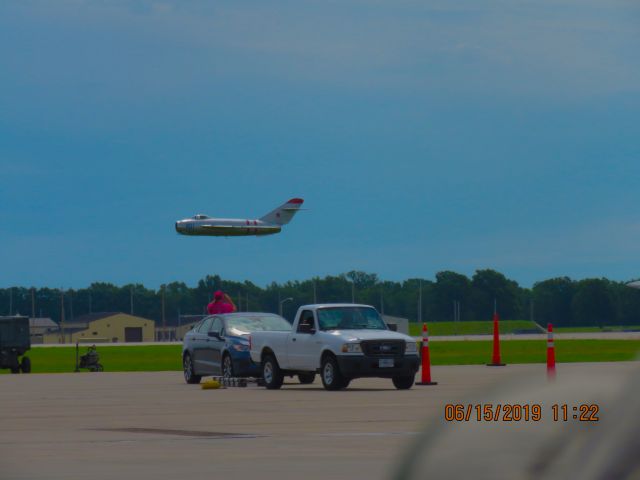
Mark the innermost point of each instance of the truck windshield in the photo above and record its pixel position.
(350, 318)
(245, 324)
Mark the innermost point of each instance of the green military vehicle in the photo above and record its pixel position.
(14, 342)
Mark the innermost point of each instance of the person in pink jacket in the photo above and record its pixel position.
(222, 303)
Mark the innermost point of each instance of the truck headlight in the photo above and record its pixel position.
(351, 348)
(410, 347)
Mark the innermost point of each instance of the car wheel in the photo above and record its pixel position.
(332, 379)
(187, 367)
(306, 378)
(271, 373)
(403, 383)
(15, 369)
(25, 365)
(227, 366)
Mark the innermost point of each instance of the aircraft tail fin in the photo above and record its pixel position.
(284, 213)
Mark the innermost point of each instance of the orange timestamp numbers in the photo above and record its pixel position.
(489, 412)
(518, 412)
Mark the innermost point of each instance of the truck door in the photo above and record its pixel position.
(304, 344)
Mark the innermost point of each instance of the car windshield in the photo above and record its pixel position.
(350, 318)
(245, 324)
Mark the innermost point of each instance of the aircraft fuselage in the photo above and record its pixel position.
(231, 227)
(234, 227)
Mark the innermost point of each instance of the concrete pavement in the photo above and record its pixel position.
(154, 426)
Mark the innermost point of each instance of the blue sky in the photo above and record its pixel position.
(422, 135)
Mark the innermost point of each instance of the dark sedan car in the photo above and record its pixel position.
(219, 344)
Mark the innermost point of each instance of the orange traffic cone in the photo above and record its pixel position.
(426, 360)
(495, 360)
(551, 354)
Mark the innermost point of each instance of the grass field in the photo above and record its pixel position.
(613, 328)
(473, 328)
(167, 357)
(534, 351)
(140, 358)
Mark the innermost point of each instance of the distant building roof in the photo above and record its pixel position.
(391, 318)
(42, 322)
(191, 318)
(401, 324)
(42, 325)
(92, 317)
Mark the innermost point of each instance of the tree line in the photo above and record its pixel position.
(451, 296)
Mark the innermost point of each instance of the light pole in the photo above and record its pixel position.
(282, 302)
(420, 303)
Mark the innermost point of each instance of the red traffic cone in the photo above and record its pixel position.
(426, 360)
(495, 359)
(551, 354)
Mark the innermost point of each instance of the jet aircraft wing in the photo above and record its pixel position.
(238, 229)
(230, 227)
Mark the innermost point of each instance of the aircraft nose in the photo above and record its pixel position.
(177, 227)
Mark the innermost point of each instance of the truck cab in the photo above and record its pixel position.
(15, 340)
(341, 342)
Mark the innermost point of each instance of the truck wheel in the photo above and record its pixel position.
(15, 369)
(25, 365)
(187, 367)
(227, 367)
(306, 378)
(403, 383)
(332, 379)
(271, 373)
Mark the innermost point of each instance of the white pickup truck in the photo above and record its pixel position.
(341, 341)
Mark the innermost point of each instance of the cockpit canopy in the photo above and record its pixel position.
(200, 216)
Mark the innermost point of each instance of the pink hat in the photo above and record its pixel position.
(218, 295)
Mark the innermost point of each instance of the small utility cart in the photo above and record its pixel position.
(14, 342)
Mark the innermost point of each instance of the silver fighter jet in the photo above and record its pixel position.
(230, 227)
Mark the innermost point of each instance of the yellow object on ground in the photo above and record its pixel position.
(211, 384)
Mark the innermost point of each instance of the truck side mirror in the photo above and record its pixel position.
(306, 328)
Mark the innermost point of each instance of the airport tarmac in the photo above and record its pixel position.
(154, 426)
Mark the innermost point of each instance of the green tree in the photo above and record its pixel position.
(592, 303)
(489, 286)
(552, 301)
(627, 303)
(362, 280)
(451, 287)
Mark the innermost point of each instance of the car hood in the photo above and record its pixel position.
(355, 335)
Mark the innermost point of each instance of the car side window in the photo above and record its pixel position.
(217, 325)
(206, 324)
(306, 321)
